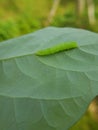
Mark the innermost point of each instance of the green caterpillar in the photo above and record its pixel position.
(57, 48)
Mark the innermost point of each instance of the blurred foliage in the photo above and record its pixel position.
(86, 123)
(13, 28)
(25, 16)
(21, 17)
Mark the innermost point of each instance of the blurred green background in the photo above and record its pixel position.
(19, 17)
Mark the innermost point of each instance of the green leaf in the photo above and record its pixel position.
(50, 92)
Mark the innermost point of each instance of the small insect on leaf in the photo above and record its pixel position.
(57, 48)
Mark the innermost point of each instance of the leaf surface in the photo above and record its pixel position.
(50, 92)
